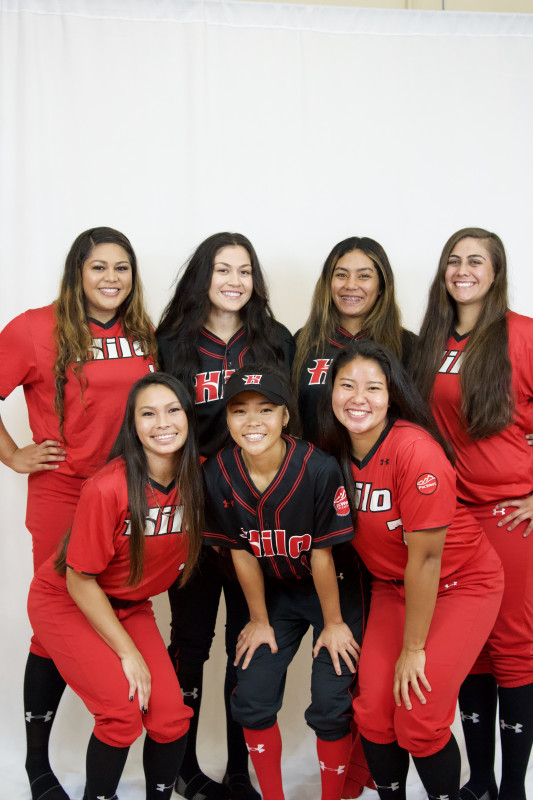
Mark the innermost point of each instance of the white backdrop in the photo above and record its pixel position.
(297, 126)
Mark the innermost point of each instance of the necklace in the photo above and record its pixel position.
(163, 513)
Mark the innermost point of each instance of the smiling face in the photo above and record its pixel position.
(360, 401)
(231, 281)
(160, 422)
(470, 272)
(107, 280)
(255, 423)
(354, 288)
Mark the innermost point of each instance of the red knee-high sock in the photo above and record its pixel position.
(334, 758)
(265, 751)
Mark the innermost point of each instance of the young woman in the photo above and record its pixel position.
(279, 504)
(218, 319)
(475, 362)
(76, 360)
(437, 583)
(353, 297)
(137, 525)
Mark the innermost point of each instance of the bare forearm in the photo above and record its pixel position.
(7, 446)
(95, 606)
(325, 580)
(421, 586)
(252, 583)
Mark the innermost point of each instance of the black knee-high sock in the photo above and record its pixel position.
(161, 764)
(43, 689)
(388, 765)
(104, 766)
(478, 701)
(237, 777)
(441, 772)
(192, 780)
(516, 735)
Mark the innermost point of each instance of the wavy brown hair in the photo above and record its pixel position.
(73, 338)
(487, 404)
(190, 305)
(382, 323)
(188, 479)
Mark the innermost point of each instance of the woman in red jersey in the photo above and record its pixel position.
(137, 526)
(475, 363)
(76, 360)
(437, 583)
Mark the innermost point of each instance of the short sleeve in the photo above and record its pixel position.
(333, 522)
(425, 487)
(17, 355)
(92, 539)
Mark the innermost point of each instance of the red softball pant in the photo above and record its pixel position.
(95, 673)
(52, 501)
(466, 607)
(508, 652)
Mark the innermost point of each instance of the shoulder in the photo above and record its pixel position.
(316, 460)
(519, 324)
(108, 480)
(281, 333)
(33, 318)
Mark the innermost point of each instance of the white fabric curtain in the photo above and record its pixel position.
(298, 126)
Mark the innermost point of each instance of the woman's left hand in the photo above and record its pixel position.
(524, 511)
(338, 640)
(409, 670)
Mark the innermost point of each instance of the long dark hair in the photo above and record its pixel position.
(72, 333)
(189, 309)
(382, 323)
(487, 405)
(128, 447)
(404, 399)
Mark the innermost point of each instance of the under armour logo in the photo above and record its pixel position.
(383, 461)
(162, 788)
(193, 694)
(259, 749)
(227, 503)
(339, 770)
(439, 796)
(474, 717)
(496, 511)
(249, 379)
(340, 576)
(449, 585)
(516, 728)
(46, 717)
(393, 787)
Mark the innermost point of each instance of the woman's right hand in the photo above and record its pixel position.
(36, 457)
(138, 677)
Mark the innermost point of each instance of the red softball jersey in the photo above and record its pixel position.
(405, 484)
(499, 466)
(99, 540)
(28, 352)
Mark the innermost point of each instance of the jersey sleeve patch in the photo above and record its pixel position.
(427, 483)
(340, 502)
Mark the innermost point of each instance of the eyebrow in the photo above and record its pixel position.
(225, 264)
(103, 261)
(470, 255)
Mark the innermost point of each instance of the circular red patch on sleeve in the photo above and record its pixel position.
(340, 501)
(427, 483)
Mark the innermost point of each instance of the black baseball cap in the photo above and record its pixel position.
(266, 383)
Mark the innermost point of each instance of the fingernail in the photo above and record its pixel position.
(144, 710)
(131, 698)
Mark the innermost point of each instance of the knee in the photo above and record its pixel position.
(168, 725)
(119, 729)
(248, 710)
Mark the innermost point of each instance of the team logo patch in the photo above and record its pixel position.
(340, 501)
(251, 379)
(427, 483)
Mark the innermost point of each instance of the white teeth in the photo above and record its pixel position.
(254, 437)
(464, 284)
(109, 291)
(354, 413)
(351, 299)
(165, 437)
(231, 294)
